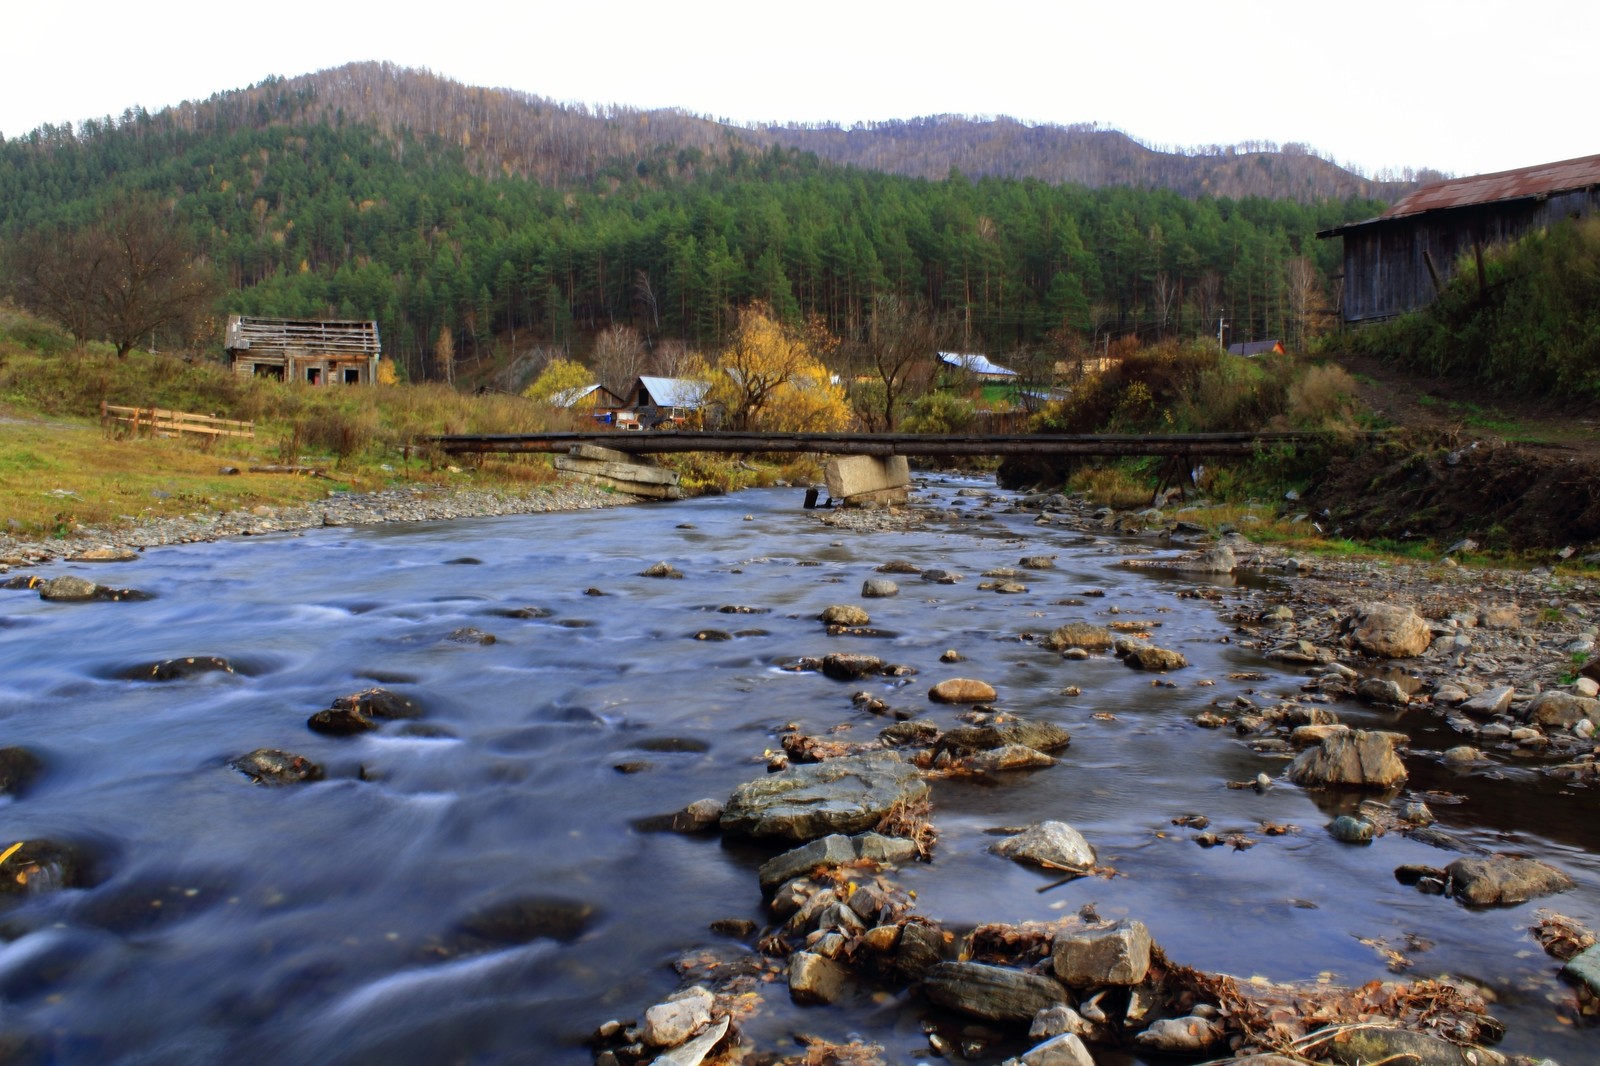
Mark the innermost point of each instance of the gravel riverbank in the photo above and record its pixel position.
(410, 504)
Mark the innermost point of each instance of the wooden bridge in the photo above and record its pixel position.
(869, 467)
(877, 444)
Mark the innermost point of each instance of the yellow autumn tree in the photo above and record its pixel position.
(769, 378)
(561, 376)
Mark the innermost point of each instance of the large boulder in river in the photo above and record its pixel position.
(845, 795)
(1503, 880)
(177, 669)
(997, 993)
(1390, 631)
(34, 866)
(357, 712)
(1358, 759)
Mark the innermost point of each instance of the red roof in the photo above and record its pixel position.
(1541, 180)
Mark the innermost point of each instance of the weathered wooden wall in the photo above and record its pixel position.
(1386, 261)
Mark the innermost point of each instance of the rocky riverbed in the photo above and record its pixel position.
(1502, 658)
(1374, 666)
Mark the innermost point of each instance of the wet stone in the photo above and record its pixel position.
(844, 795)
(844, 666)
(879, 588)
(662, 569)
(525, 919)
(675, 1021)
(962, 690)
(1504, 880)
(177, 669)
(834, 850)
(268, 766)
(1348, 829)
(1390, 632)
(814, 978)
(1116, 955)
(469, 635)
(1040, 736)
(996, 993)
(1150, 657)
(1053, 845)
(843, 614)
(1359, 759)
(18, 769)
(36, 866)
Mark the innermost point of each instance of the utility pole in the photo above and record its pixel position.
(1221, 322)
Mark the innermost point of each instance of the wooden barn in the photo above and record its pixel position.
(313, 350)
(1401, 260)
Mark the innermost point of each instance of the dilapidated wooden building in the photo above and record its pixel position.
(1401, 260)
(313, 350)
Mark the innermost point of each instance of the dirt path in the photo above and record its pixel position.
(1467, 412)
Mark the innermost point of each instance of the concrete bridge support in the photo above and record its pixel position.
(637, 475)
(866, 480)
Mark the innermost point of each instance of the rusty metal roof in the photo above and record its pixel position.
(1523, 183)
(1541, 180)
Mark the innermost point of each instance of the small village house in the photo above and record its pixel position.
(659, 401)
(593, 401)
(1251, 349)
(315, 351)
(1402, 259)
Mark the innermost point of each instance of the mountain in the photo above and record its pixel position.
(481, 225)
(506, 132)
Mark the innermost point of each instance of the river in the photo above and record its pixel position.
(319, 922)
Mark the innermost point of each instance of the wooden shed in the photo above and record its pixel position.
(313, 350)
(1401, 260)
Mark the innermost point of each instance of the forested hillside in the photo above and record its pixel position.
(469, 229)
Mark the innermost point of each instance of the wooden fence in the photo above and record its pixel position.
(160, 420)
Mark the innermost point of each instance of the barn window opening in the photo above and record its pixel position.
(352, 376)
(314, 375)
(264, 370)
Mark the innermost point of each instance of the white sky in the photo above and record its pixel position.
(1467, 87)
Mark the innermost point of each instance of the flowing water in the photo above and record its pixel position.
(320, 922)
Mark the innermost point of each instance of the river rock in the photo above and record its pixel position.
(1390, 631)
(268, 766)
(177, 669)
(1037, 562)
(1079, 635)
(357, 712)
(962, 690)
(1115, 955)
(36, 866)
(1585, 967)
(1009, 757)
(1348, 829)
(1500, 616)
(940, 577)
(920, 949)
(1503, 880)
(67, 588)
(844, 795)
(1218, 560)
(816, 978)
(104, 554)
(1040, 736)
(1382, 690)
(695, 1051)
(844, 614)
(1064, 1050)
(846, 666)
(698, 816)
(1555, 709)
(997, 993)
(524, 919)
(1488, 703)
(1359, 1045)
(834, 850)
(1358, 759)
(879, 588)
(661, 569)
(1150, 657)
(680, 1017)
(1180, 1036)
(1053, 845)
(18, 769)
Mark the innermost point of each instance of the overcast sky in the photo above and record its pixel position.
(1467, 86)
